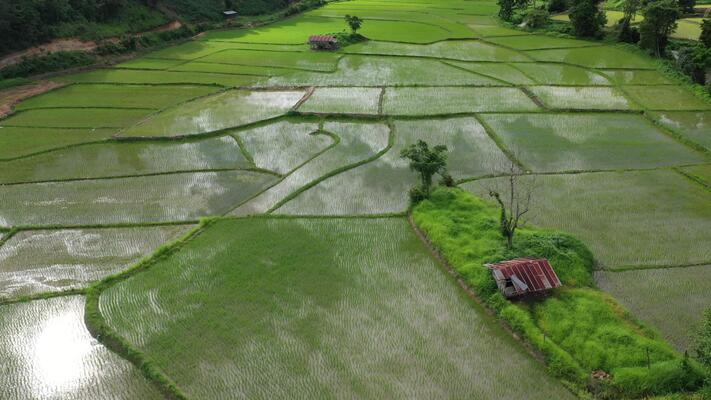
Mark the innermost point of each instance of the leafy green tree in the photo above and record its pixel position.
(659, 22)
(705, 37)
(587, 18)
(702, 347)
(354, 23)
(506, 9)
(427, 162)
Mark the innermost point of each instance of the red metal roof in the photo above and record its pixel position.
(536, 273)
(322, 38)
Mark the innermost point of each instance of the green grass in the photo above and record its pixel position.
(583, 142)
(33, 262)
(225, 110)
(692, 125)
(124, 159)
(177, 197)
(76, 118)
(316, 308)
(47, 350)
(561, 74)
(701, 173)
(488, 30)
(595, 57)
(535, 42)
(645, 218)
(457, 50)
(232, 69)
(583, 98)
(671, 299)
(578, 329)
(149, 64)
(358, 142)
(17, 142)
(381, 186)
(160, 77)
(343, 101)
(672, 98)
(116, 96)
(451, 100)
(284, 145)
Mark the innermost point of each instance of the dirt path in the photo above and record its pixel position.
(73, 45)
(10, 97)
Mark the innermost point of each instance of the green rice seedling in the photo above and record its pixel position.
(17, 142)
(636, 77)
(314, 61)
(473, 50)
(317, 308)
(452, 100)
(33, 262)
(343, 101)
(358, 143)
(176, 197)
(231, 69)
(583, 98)
(117, 96)
(595, 57)
(670, 299)
(225, 110)
(538, 42)
(686, 29)
(694, 126)
(583, 142)
(502, 72)
(124, 159)
(47, 351)
(385, 71)
(642, 218)
(76, 118)
(191, 50)
(561, 74)
(284, 145)
(667, 98)
(700, 173)
(149, 64)
(160, 77)
(381, 186)
(489, 30)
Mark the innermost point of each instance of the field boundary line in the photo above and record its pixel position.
(337, 171)
(304, 98)
(55, 227)
(106, 335)
(41, 296)
(500, 144)
(448, 63)
(626, 268)
(152, 174)
(696, 179)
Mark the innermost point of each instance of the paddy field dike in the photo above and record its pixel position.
(227, 218)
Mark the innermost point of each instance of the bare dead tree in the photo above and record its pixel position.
(514, 200)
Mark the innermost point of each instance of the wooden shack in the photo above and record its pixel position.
(524, 276)
(230, 14)
(323, 42)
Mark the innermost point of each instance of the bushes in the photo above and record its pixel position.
(659, 22)
(47, 63)
(578, 329)
(555, 6)
(536, 18)
(587, 18)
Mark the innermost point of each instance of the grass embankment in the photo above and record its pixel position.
(578, 329)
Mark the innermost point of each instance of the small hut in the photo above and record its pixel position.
(524, 276)
(230, 14)
(323, 42)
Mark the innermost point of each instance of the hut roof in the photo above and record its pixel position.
(527, 275)
(229, 13)
(323, 39)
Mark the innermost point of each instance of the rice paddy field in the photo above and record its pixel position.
(277, 170)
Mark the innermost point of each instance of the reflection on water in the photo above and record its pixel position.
(60, 354)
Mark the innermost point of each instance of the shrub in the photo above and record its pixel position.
(693, 60)
(587, 18)
(705, 36)
(626, 32)
(46, 63)
(506, 9)
(417, 193)
(537, 18)
(687, 6)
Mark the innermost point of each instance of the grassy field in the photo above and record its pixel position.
(47, 351)
(316, 308)
(251, 121)
(675, 313)
(40, 261)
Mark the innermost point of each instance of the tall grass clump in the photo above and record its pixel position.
(577, 329)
